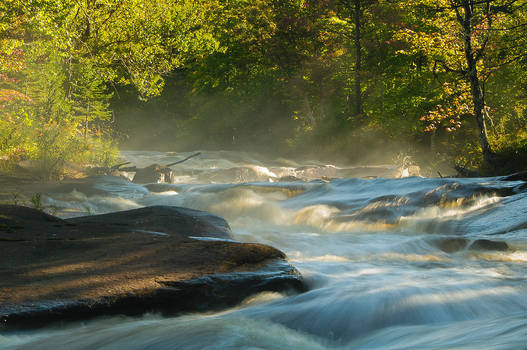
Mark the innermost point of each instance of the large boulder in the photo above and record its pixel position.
(163, 259)
(154, 173)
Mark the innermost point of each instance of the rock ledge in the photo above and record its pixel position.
(131, 262)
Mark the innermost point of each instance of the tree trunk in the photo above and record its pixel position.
(382, 87)
(309, 111)
(85, 128)
(358, 58)
(433, 141)
(475, 86)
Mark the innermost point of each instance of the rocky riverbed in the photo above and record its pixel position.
(391, 263)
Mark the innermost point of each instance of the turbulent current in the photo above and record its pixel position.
(391, 263)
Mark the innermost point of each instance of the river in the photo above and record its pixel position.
(388, 261)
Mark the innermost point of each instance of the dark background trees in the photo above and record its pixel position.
(325, 78)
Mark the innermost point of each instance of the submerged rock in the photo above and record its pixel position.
(456, 244)
(163, 259)
(486, 244)
(451, 244)
(161, 187)
(289, 178)
(237, 175)
(316, 172)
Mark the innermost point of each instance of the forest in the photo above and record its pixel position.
(442, 81)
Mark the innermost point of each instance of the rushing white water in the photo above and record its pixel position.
(376, 253)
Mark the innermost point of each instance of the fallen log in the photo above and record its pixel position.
(157, 173)
(104, 170)
(116, 167)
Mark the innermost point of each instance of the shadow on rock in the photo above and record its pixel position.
(162, 259)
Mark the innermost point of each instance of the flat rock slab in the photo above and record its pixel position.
(19, 223)
(164, 259)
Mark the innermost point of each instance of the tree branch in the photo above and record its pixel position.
(448, 69)
(481, 50)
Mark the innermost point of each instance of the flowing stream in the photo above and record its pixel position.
(389, 261)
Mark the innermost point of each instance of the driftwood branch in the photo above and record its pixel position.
(133, 168)
(183, 160)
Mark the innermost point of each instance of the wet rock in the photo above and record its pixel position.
(373, 171)
(520, 176)
(521, 188)
(485, 244)
(451, 244)
(17, 217)
(163, 259)
(237, 175)
(456, 244)
(316, 172)
(458, 195)
(166, 219)
(154, 173)
(30, 224)
(289, 178)
(85, 185)
(157, 188)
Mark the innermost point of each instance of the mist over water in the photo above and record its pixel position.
(388, 260)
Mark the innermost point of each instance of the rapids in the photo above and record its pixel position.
(388, 260)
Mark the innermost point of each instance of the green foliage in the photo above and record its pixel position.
(36, 201)
(60, 61)
(48, 127)
(511, 155)
(259, 74)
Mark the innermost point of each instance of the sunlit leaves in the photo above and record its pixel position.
(59, 60)
(457, 103)
(435, 30)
